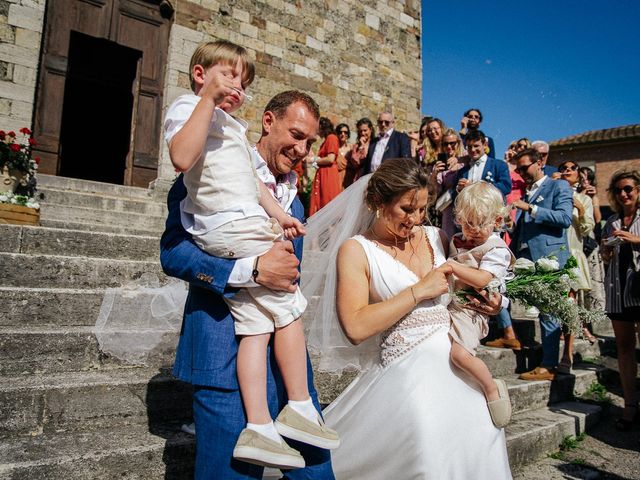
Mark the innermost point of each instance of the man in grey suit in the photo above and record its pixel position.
(541, 230)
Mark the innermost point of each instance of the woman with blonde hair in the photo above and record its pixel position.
(431, 146)
(621, 253)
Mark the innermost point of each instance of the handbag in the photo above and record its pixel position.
(589, 244)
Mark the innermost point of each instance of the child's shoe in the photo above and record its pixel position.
(252, 447)
(292, 425)
(500, 410)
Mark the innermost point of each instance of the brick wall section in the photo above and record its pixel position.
(21, 24)
(355, 58)
(605, 157)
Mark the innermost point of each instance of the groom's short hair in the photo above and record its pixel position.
(279, 104)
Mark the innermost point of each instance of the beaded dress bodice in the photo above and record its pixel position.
(388, 278)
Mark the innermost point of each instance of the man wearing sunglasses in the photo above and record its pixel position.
(388, 144)
(540, 230)
(470, 122)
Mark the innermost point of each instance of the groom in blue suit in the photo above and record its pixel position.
(481, 167)
(206, 355)
(540, 230)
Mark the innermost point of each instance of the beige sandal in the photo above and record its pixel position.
(500, 410)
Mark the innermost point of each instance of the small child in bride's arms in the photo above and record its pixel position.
(479, 257)
(231, 213)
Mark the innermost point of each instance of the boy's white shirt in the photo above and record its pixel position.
(284, 192)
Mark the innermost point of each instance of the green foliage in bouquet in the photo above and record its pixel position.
(546, 286)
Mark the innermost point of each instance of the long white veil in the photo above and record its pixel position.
(346, 216)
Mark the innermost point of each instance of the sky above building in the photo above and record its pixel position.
(538, 69)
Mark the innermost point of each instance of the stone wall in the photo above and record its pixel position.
(355, 58)
(20, 31)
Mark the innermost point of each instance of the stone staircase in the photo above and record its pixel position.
(69, 411)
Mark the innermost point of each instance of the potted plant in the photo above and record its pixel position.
(17, 179)
(17, 167)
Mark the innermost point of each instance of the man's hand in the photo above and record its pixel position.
(463, 182)
(490, 304)
(278, 268)
(522, 205)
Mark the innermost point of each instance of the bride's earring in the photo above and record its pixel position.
(377, 213)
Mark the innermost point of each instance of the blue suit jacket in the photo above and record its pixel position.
(398, 146)
(549, 169)
(547, 233)
(207, 349)
(495, 172)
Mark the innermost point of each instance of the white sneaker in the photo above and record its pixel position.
(189, 428)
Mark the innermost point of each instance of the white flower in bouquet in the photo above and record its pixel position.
(546, 264)
(524, 265)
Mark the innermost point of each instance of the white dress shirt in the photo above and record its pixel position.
(381, 146)
(530, 192)
(477, 167)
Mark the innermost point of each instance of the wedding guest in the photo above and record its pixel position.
(540, 230)
(581, 226)
(518, 186)
(389, 144)
(621, 252)
(542, 148)
(431, 145)
(594, 298)
(326, 183)
(522, 144)
(470, 122)
(481, 166)
(446, 178)
(343, 133)
(358, 153)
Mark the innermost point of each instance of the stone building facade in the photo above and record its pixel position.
(604, 150)
(355, 58)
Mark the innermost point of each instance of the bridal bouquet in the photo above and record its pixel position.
(544, 285)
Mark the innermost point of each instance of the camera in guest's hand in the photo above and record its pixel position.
(442, 157)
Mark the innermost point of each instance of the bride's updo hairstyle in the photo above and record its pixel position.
(480, 203)
(394, 177)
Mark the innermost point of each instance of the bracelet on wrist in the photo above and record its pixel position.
(415, 300)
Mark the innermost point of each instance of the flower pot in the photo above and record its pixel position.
(18, 215)
(9, 179)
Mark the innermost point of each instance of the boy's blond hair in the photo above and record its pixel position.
(480, 203)
(221, 51)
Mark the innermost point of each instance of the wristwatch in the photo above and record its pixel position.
(255, 272)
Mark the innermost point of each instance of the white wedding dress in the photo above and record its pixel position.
(410, 415)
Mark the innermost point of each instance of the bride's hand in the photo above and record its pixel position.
(432, 284)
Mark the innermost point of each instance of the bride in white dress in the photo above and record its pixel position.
(408, 414)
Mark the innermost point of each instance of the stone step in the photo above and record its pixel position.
(161, 451)
(533, 434)
(101, 201)
(75, 184)
(32, 307)
(45, 271)
(33, 404)
(76, 243)
(502, 361)
(77, 213)
(95, 227)
(132, 452)
(38, 350)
